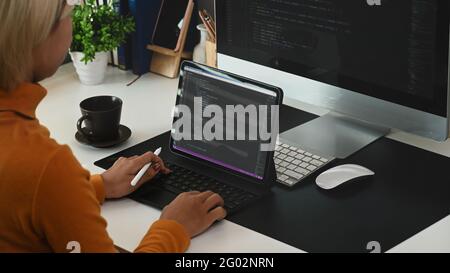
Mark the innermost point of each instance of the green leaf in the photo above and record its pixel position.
(98, 29)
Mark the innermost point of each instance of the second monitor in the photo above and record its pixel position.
(374, 67)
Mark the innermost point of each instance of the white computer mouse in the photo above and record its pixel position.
(341, 174)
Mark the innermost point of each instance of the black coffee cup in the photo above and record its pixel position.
(101, 117)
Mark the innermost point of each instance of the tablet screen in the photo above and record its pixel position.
(235, 140)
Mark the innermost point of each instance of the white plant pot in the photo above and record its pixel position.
(92, 73)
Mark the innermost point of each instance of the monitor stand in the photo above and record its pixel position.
(334, 135)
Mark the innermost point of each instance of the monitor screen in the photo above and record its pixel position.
(200, 89)
(394, 50)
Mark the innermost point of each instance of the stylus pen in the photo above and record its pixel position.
(144, 169)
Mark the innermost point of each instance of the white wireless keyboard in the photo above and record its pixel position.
(294, 164)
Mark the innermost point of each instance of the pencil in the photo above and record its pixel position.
(208, 28)
(209, 21)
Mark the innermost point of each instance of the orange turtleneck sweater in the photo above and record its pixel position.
(47, 200)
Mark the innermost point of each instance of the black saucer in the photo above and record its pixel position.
(124, 135)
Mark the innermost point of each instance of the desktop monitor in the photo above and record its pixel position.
(381, 63)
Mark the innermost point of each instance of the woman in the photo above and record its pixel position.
(48, 201)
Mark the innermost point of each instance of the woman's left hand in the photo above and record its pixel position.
(117, 180)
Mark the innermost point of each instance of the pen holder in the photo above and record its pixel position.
(211, 53)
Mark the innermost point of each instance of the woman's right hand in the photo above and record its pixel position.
(195, 211)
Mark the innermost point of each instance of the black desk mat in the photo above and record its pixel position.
(410, 192)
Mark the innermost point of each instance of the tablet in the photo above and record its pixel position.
(235, 143)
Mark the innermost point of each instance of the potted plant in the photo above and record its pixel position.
(97, 30)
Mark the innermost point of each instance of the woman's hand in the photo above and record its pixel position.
(117, 180)
(195, 211)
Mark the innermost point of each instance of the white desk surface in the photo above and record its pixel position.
(147, 110)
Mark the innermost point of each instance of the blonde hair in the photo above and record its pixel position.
(24, 24)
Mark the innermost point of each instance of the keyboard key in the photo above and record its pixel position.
(304, 165)
(289, 159)
(283, 178)
(293, 148)
(307, 159)
(292, 154)
(284, 164)
(291, 182)
(309, 154)
(316, 157)
(291, 167)
(293, 174)
(281, 169)
(302, 171)
(312, 168)
(317, 163)
(285, 151)
(282, 156)
(324, 160)
(296, 162)
(300, 156)
(285, 145)
(249, 196)
(277, 161)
